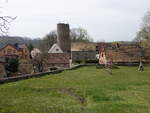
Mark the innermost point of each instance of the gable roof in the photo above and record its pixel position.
(11, 46)
(55, 49)
(17, 47)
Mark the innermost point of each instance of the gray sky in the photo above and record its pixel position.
(107, 20)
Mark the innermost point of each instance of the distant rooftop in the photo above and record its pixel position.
(83, 46)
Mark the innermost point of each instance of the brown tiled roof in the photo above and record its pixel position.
(80, 46)
(17, 48)
(9, 45)
(122, 52)
(58, 58)
(123, 56)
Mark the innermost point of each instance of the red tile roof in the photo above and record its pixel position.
(13, 46)
(121, 52)
(58, 58)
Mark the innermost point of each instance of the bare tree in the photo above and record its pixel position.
(39, 60)
(144, 33)
(146, 20)
(48, 41)
(80, 35)
(143, 36)
(5, 23)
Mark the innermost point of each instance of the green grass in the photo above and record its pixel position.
(85, 90)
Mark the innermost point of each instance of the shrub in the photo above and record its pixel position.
(12, 65)
(78, 61)
(91, 61)
(86, 61)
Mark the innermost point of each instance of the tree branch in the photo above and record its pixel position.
(5, 23)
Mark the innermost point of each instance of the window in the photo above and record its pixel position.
(57, 49)
(9, 51)
(25, 50)
(97, 48)
(14, 51)
(4, 51)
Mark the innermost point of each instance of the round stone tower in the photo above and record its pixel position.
(63, 37)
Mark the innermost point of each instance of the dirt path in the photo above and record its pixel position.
(71, 92)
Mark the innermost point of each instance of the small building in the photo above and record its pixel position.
(119, 53)
(59, 60)
(83, 51)
(15, 51)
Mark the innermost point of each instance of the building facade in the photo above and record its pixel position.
(59, 60)
(83, 51)
(83, 55)
(55, 49)
(15, 51)
(119, 53)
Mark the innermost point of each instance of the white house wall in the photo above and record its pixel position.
(55, 49)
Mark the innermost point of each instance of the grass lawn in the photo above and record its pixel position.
(85, 90)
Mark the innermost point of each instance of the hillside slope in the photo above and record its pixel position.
(4, 40)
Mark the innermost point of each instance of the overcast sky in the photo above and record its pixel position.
(107, 20)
